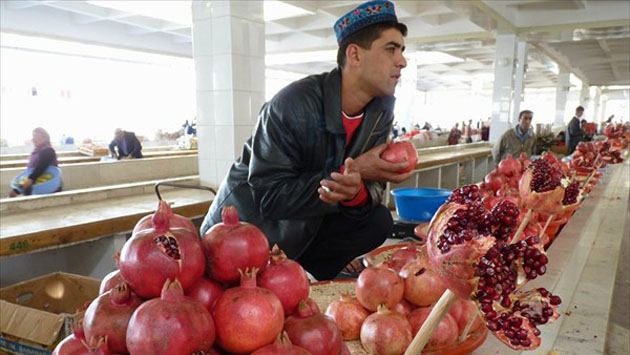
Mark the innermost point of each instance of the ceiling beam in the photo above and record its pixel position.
(574, 25)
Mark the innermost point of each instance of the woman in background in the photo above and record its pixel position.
(41, 158)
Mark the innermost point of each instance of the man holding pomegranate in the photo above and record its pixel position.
(518, 140)
(311, 177)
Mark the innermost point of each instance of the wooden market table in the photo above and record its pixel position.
(582, 269)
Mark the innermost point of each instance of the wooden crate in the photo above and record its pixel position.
(93, 150)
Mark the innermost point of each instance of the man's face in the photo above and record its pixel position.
(579, 114)
(119, 135)
(525, 121)
(382, 63)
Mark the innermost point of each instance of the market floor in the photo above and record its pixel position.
(618, 337)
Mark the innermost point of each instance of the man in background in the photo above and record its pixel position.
(127, 144)
(518, 140)
(574, 130)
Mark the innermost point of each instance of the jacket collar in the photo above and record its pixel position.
(332, 104)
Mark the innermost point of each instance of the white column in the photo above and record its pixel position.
(562, 91)
(585, 97)
(503, 85)
(229, 54)
(597, 100)
(405, 110)
(519, 80)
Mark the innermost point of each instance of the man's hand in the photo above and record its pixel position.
(373, 167)
(343, 187)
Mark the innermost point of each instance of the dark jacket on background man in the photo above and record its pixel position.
(575, 134)
(129, 145)
(299, 140)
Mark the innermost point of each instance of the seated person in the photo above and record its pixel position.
(128, 145)
(41, 158)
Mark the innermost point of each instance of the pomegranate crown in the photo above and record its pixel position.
(162, 216)
(229, 216)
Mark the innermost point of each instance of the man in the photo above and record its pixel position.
(468, 131)
(574, 130)
(311, 177)
(518, 140)
(454, 135)
(128, 145)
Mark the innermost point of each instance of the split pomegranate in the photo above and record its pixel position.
(172, 324)
(286, 279)
(233, 245)
(73, 344)
(509, 166)
(399, 152)
(282, 346)
(110, 280)
(157, 254)
(422, 285)
(541, 187)
(175, 220)
(206, 292)
(108, 316)
(386, 332)
(444, 335)
(348, 314)
(313, 331)
(572, 194)
(477, 262)
(462, 311)
(247, 317)
(378, 285)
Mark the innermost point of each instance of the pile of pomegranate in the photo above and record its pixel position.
(175, 293)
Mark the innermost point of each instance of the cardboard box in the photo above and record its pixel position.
(36, 314)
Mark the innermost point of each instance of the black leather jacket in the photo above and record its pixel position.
(299, 140)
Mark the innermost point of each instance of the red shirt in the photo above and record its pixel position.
(351, 123)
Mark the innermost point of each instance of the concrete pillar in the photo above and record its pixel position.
(519, 80)
(597, 117)
(229, 54)
(562, 91)
(503, 84)
(585, 97)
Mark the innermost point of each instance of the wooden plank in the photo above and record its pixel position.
(30, 242)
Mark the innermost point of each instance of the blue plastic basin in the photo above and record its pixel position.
(418, 204)
(46, 187)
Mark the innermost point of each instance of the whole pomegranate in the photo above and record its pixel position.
(510, 166)
(175, 220)
(73, 344)
(399, 152)
(495, 180)
(348, 314)
(402, 256)
(110, 280)
(108, 316)
(282, 346)
(313, 331)
(386, 332)
(172, 324)
(378, 285)
(234, 245)
(403, 307)
(462, 311)
(444, 335)
(247, 317)
(286, 279)
(157, 254)
(422, 285)
(206, 292)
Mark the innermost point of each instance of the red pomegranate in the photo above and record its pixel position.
(73, 344)
(313, 331)
(286, 279)
(541, 187)
(185, 323)
(175, 220)
(399, 152)
(495, 180)
(110, 280)
(422, 285)
(462, 311)
(348, 314)
(510, 166)
(98, 347)
(379, 285)
(108, 316)
(247, 317)
(206, 292)
(403, 256)
(444, 335)
(155, 255)
(234, 245)
(312, 305)
(403, 307)
(386, 332)
(282, 346)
